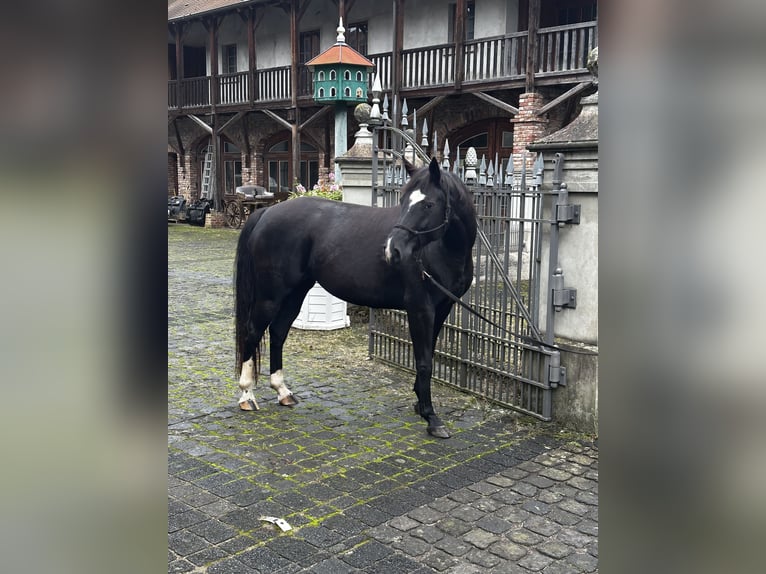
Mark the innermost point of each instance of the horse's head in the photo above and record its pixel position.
(425, 212)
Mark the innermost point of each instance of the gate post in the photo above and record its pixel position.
(571, 312)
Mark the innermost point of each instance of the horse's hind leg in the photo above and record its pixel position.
(251, 359)
(278, 331)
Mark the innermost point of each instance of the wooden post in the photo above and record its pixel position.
(177, 29)
(296, 143)
(396, 63)
(213, 30)
(459, 42)
(251, 61)
(534, 22)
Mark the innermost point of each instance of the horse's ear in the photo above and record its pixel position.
(409, 167)
(435, 171)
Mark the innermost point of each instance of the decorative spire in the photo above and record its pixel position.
(341, 39)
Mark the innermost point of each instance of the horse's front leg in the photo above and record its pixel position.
(421, 323)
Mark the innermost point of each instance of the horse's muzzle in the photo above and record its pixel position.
(399, 247)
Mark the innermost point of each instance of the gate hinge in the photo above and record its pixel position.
(566, 212)
(562, 296)
(557, 375)
(569, 213)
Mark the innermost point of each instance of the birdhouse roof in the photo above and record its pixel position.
(340, 53)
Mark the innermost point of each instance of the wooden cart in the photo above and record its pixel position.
(237, 207)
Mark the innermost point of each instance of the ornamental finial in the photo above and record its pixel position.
(340, 30)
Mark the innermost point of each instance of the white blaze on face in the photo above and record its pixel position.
(416, 197)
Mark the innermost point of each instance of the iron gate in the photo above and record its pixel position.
(505, 363)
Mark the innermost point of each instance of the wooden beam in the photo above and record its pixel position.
(315, 116)
(178, 138)
(246, 139)
(497, 103)
(294, 53)
(563, 97)
(251, 54)
(427, 106)
(534, 22)
(302, 10)
(230, 121)
(280, 120)
(201, 123)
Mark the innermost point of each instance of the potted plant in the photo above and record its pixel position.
(321, 310)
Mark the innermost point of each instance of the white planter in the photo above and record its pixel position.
(322, 311)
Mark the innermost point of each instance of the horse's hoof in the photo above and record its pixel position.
(439, 432)
(289, 401)
(248, 405)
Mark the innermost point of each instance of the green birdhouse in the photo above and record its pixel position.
(340, 73)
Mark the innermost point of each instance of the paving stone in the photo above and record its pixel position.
(230, 566)
(367, 554)
(480, 538)
(404, 523)
(524, 536)
(207, 556)
(483, 559)
(582, 562)
(542, 525)
(493, 524)
(425, 515)
(452, 545)
(453, 526)
(468, 513)
(184, 542)
(507, 550)
(333, 566)
(213, 531)
(180, 565)
(536, 507)
(428, 533)
(412, 546)
(535, 561)
(439, 560)
(554, 549)
(262, 559)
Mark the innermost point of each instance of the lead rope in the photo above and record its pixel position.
(466, 306)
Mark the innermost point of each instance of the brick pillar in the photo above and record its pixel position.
(172, 174)
(527, 127)
(189, 176)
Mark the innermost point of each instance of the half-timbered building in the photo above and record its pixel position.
(492, 74)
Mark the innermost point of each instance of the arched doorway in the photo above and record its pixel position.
(278, 164)
(491, 137)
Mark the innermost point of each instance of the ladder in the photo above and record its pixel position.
(207, 170)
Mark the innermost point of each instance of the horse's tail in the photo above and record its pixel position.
(244, 292)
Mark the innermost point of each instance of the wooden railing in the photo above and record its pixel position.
(233, 88)
(428, 67)
(561, 50)
(565, 48)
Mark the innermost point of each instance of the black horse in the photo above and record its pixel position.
(374, 257)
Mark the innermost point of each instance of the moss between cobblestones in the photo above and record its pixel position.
(354, 414)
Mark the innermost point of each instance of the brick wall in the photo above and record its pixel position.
(172, 174)
(528, 127)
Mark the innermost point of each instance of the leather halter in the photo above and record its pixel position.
(445, 223)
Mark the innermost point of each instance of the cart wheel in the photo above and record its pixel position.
(233, 215)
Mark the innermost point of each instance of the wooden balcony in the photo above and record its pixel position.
(562, 52)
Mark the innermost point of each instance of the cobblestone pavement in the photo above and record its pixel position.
(351, 468)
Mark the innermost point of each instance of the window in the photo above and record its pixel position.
(347, 75)
(470, 14)
(356, 37)
(359, 77)
(332, 75)
(308, 48)
(320, 76)
(278, 161)
(347, 92)
(332, 92)
(321, 92)
(230, 59)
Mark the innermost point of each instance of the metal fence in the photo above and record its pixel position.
(504, 363)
